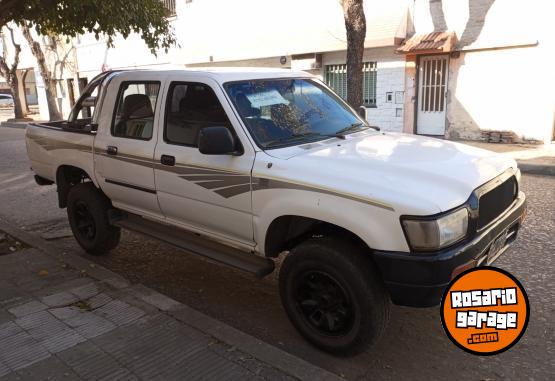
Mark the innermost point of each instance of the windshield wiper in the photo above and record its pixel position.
(312, 133)
(294, 137)
(355, 127)
(339, 134)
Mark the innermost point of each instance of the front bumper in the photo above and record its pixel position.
(419, 279)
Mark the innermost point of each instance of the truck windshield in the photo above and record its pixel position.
(284, 112)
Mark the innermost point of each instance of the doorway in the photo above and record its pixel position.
(432, 95)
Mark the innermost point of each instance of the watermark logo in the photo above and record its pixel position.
(485, 311)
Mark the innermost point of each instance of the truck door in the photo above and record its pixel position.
(210, 193)
(124, 144)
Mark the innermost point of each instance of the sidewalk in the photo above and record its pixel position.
(64, 317)
(537, 160)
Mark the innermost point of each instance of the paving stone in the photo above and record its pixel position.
(33, 283)
(49, 369)
(117, 283)
(60, 299)
(99, 300)
(90, 325)
(162, 302)
(11, 295)
(5, 316)
(4, 369)
(92, 363)
(66, 285)
(152, 345)
(52, 333)
(9, 329)
(119, 312)
(206, 365)
(64, 313)
(86, 292)
(28, 308)
(13, 376)
(24, 351)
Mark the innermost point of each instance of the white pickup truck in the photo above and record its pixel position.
(242, 165)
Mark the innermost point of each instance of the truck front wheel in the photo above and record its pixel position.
(333, 295)
(87, 211)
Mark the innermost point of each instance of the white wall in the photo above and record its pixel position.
(221, 30)
(500, 90)
(503, 79)
(390, 78)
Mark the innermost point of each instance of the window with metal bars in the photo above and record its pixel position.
(336, 78)
(170, 6)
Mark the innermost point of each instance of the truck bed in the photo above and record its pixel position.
(51, 144)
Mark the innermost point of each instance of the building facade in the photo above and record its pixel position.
(459, 69)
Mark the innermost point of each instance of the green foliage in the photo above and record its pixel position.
(148, 18)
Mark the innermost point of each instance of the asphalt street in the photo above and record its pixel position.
(414, 346)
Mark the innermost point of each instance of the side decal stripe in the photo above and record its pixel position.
(147, 190)
(234, 190)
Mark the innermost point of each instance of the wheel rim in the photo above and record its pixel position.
(323, 303)
(84, 221)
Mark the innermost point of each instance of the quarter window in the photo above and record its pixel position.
(336, 78)
(190, 107)
(134, 117)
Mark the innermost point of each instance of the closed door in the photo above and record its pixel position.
(125, 142)
(432, 95)
(210, 193)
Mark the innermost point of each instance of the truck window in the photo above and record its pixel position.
(190, 107)
(134, 115)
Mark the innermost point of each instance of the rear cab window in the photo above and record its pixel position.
(190, 107)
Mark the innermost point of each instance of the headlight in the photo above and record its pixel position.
(437, 233)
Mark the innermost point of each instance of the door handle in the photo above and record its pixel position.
(112, 150)
(167, 160)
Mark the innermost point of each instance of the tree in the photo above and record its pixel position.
(69, 18)
(148, 18)
(45, 73)
(9, 72)
(355, 25)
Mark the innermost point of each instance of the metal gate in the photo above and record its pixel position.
(432, 95)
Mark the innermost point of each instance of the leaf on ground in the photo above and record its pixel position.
(83, 305)
(43, 272)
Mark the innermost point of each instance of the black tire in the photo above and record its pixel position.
(334, 295)
(87, 211)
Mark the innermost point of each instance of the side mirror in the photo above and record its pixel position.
(88, 102)
(362, 112)
(216, 141)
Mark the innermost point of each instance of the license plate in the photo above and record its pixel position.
(497, 245)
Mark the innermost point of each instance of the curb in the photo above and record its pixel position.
(19, 125)
(537, 169)
(273, 356)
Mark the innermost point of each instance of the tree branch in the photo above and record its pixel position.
(17, 48)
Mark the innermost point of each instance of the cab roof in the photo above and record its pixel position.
(226, 74)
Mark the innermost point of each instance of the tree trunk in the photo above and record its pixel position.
(18, 111)
(9, 72)
(355, 25)
(24, 103)
(49, 81)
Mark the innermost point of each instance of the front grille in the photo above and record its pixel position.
(496, 201)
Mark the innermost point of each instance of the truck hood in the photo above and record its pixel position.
(413, 174)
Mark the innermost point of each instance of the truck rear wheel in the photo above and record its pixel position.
(333, 295)
(87, 211)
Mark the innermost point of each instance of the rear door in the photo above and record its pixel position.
(210, 193)
(125, 142)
